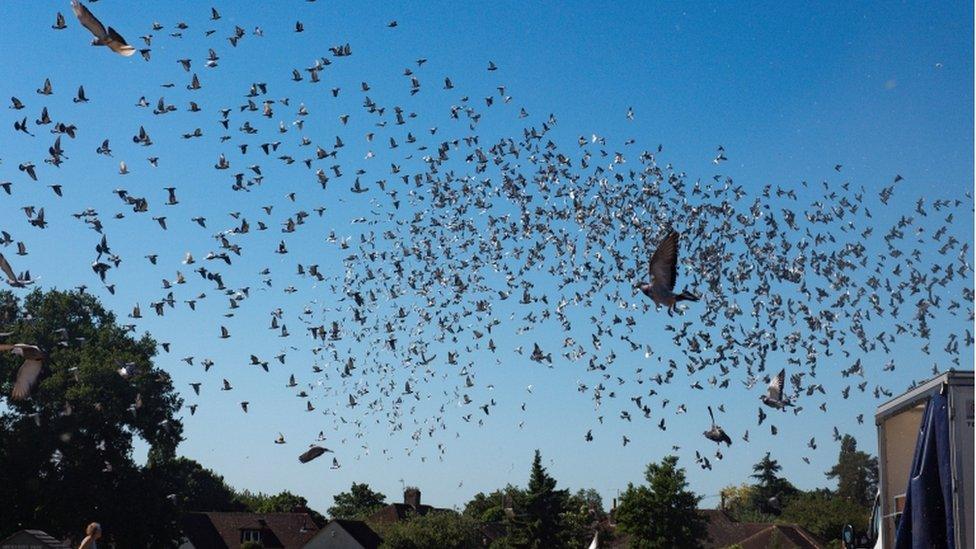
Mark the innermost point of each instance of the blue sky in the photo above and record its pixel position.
(881, 88)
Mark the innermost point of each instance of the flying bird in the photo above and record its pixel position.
(59, 22)
(313, 452)
(13, 279)
(29, 370)
(774, 392)
(664, 271)
(716, 433)
(103, 37)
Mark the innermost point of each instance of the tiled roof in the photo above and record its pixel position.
(724, 531)
(781, 535)
(40, 536)
(399, 511)
(361, 532)
(223, 530)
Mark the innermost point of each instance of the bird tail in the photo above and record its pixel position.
(686, 296)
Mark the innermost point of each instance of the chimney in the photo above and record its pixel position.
(411, 497)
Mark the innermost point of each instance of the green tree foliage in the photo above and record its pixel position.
(740, 503)
(856, 473)
(584, 516)
(358, 503)
(66, 452)
(664, 513)
(772, 491)
(282, 502)
(491, 507)
(538, 518)
(824, 514)
(194, 487)
(440, 529)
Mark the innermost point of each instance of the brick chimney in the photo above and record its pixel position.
(411, 497)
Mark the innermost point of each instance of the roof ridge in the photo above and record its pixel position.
(769, 526)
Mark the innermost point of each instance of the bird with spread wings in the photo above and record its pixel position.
(103, 37)
(664, 272)
(29, 371)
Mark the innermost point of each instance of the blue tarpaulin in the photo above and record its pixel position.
(927, 519)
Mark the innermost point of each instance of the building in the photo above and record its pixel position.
(32, 539)
(345, 534)
(725, 531)
(411, 506)
(230, 530)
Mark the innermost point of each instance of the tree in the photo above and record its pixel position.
(664, 513)
(825, 514)
(765, 471)
(195, 487)
(441, 529)
(358, 503)
(66, 452)
(538, 519)
(584, 516)
(282, 502)
(772, 491)
(738, 502)
(856, 473)
(491, 507)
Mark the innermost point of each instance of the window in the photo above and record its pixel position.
(250, 535)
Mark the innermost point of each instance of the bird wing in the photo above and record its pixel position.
(88, 20)
(664, 262)
(775, 389)
(118, 44)
(7, 269)
(30, 352)
(711, 415)
(26, 378)
(311, 453)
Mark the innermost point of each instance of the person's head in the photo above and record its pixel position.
(94, 529)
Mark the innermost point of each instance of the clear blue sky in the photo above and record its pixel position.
(882, 88)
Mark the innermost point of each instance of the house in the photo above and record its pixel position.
(725, 531)
(230, 530)
(345, 534)
(32, 539)
(411, 506)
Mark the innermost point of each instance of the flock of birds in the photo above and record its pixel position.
(468, 236)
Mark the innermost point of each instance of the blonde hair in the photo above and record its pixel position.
(93, 528)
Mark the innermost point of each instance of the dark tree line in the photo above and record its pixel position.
(66, 452)
(824, 512)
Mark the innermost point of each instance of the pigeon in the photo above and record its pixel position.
(774, 392)
(29, 370)
(313, 452)
(80, 97)
(103, 37)
(716, 433)
(12, 279)
(59, 23)
(664, 271)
